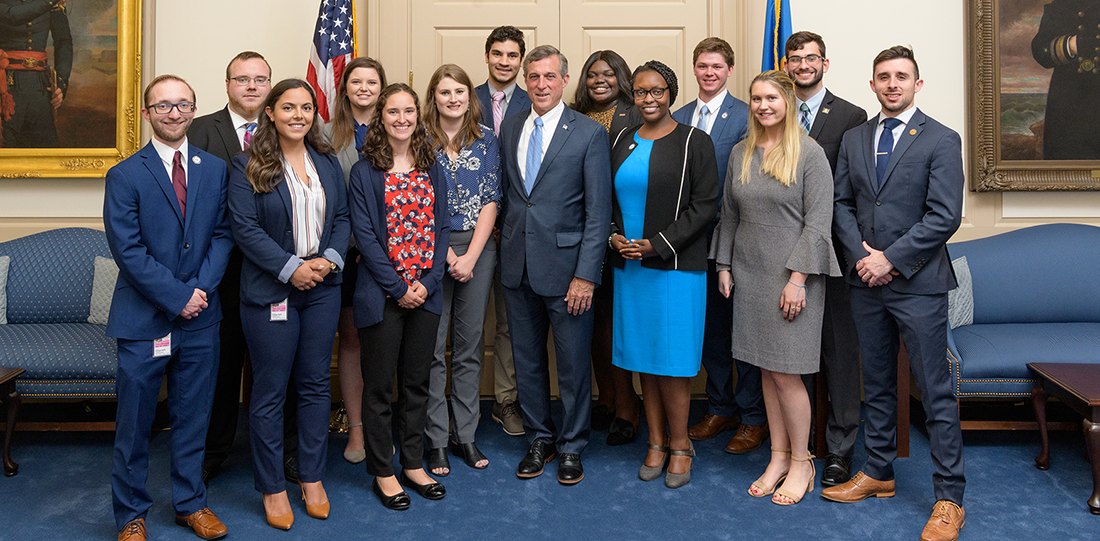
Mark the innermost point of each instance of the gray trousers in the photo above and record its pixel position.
(504, 371)
(468, 302)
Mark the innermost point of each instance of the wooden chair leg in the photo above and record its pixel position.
(1039, 404)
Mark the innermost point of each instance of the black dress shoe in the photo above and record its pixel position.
(397, 502)
(570, 471)
(470, 454)
(540, 452)
(601, 417)
(290, 468)
(209, 472)
(837, 471)
(430, 491)
(621, 432)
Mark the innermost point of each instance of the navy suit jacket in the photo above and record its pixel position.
(560, 231)
(163, 257)
(730, 128)
(264, 230)
(911, 218)
(215, 134)
(377, 279)
(519, 102)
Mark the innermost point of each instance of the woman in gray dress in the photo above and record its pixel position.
(774, 241)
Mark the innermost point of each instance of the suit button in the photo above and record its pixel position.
(872, 230)
(879, 203)
(530, 204)
(525, 233)
(186, 245)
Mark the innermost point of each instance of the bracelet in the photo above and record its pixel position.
(609, 245)
(801, 289)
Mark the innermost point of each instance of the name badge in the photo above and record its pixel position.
(163, 346)
(278, 311)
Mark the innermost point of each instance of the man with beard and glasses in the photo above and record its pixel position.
(825, 117)
(166, 220)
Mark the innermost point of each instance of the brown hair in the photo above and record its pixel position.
(343, 122)
(713, 45)
(471, 130)
(798, 39)
(895, 52)
(160, 79)
(377, 147)
(246, 55)
(265, 165)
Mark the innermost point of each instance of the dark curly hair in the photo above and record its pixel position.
(665, 72)
(582, 102)
(377, 148)
(265, 157)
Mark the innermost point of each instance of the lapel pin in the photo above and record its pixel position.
(724, 115)
(564, 127)
(825, 111)
(197, 160)
(913, 131)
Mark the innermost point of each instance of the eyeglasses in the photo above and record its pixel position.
(184, 107)
(657, 93)
(244, 79)
(809, 59)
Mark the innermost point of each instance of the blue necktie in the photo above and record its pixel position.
(885, 147)
(534, 156)
(804, 119)
(702, 123)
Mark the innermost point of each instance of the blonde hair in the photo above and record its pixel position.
(781, 161)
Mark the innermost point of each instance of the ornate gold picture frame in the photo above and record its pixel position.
(89, 147)
(1008, 105)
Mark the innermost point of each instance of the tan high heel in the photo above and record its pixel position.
(319, 511)
(809, 487)
(766, 490)
(282, 522)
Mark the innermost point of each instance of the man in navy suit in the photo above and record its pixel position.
(167, 225)
(500, 98)
(725, 118)
(557, 218)
(826, 117)
(898, 200)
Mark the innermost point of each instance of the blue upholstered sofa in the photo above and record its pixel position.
(1036, 298)
(49, 292)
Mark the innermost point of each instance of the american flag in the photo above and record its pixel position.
(334, 44)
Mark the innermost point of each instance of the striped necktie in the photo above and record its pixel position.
(804, 118)
(498, 110)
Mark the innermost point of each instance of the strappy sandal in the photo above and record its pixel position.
(809, 487)
(649, 473)
(438, 462)
(766, 490)
(677, 480)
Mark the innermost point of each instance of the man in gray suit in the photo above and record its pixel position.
(898, 200)
(557, 217)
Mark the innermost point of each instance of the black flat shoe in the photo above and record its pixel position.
(437, 458)
(430, 491)
(570, 471)
(601, 417)
(397, 502)
(837, 471)
(537, 456)
(621, 432)
(469, 454)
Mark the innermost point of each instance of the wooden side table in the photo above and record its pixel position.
(1078, 385)
(10, 397)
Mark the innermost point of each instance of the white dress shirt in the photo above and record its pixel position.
(713, 107)
(904, 117)
(240, 125)
(549, 128)
(167, 154)
(814, 103)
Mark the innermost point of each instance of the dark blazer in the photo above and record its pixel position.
(519, 102)
(834, 117)
(626, 116)
(377, 278)
(560, 231)
(264, 230)
(681, 198)
(162, 257)
(913, 215)
(730, 128)
(215, 133)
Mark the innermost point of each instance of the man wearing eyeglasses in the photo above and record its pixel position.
(166, 220)
(825, 117)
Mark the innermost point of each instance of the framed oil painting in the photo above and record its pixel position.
(70, 93)
(1034, 81)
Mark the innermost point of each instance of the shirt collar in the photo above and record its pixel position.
(904, 117)
(167, 153)
(814, 102)
(716, 102)
(239, 121)
(508, 91)
(550, 119)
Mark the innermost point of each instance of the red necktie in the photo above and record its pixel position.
(179, 182)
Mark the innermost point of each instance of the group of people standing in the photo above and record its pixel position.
(634, 231)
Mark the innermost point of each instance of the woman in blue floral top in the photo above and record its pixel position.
(470, 156)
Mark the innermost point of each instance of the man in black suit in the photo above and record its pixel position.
(224, 134)
(899, 190)
(826, 117)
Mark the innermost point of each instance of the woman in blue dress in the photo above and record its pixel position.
(665, 194)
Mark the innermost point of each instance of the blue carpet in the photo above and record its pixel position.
(63, 492)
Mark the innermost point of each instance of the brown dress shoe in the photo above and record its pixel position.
(133, 531)
(205, 524)
(713, 425)
(947, 519)
(748, 439)
(859, 488)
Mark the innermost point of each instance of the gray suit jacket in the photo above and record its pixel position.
(559, 231)
(913, 215)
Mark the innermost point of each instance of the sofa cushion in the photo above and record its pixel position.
(60, 352)
(996, 355)
(50, 279)
(960, 301)
(4, 263)
(103, 290)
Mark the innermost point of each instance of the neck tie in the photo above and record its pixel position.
(248, 130)
(534, 156)
(179, 181)
(498, 110)
(804, 119)
(702, 123)
(885, 147)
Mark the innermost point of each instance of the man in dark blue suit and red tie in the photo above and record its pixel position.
(898, 200)
(557, 218)
(165, 215)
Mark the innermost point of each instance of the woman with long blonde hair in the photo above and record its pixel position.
(775, 242)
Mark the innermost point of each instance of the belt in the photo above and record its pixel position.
(27, 60)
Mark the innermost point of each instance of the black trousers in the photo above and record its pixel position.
(401, 345)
